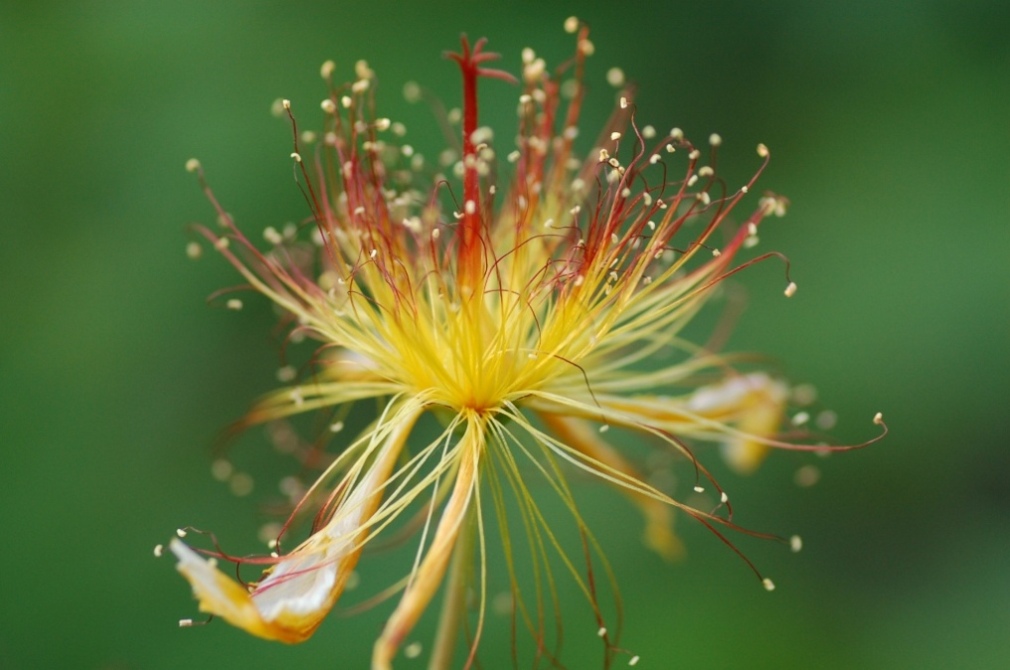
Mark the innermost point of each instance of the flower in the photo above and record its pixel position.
(529, 320)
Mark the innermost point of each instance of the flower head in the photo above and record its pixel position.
(530, 320)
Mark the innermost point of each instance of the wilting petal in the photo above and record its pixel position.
(658, 514)
(755, 403)
(291, 601)
(426, 580)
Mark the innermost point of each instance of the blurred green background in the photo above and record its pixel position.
(889, 124)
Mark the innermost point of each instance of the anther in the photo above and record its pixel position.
(744, 189)
(795, 544)
(768, 584)
(181, 532)
(158, 550)
(762, 151)
(706, 171)
(327, 69)
(648, 132)
(411, 91)
(653, 159)
(412, 650)
(878, 418)
(192, 165)
(383, 124)
(328, 106)
(296, 156)
(286, 104)
(790, 292)
(634, 660)
(723, 498)
(694, 155)
(676, 133)
(336, 426)
(800, 418)
(234, 304)
(602, 632)
(185, 623)
(615, 135)
(271, 235)
(221, 469)
(715, 139)
(624, 102)
(615, 77)
(699, 489)
(194, 250)
(571, 24)
(241, 484)
(806, 476)
(604, 428)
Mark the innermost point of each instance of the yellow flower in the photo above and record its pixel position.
(529, 320)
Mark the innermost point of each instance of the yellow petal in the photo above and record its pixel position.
(756, 404)
(299, 591)
(580, 435)
(426, 580)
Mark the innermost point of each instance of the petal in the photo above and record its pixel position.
(297, 593)
(428, 576)
(658, 515)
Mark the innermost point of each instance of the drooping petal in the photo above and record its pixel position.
(294, 596)
(659, 516)
(428, 576)
(756, 403)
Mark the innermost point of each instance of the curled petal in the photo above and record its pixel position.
(756, 404)
(294, 596)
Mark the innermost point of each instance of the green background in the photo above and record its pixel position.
(889, 124)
